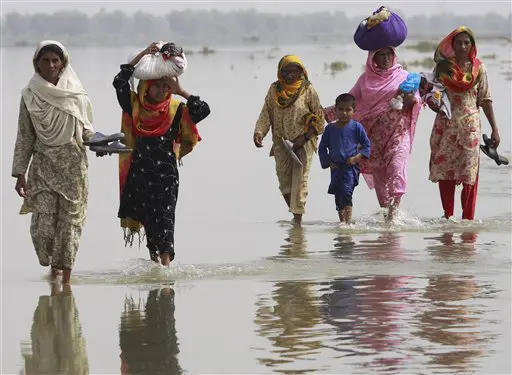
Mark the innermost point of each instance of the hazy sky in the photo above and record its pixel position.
(351, 8)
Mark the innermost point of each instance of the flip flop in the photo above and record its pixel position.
(115, 147)
(492, 152)
(100, 139)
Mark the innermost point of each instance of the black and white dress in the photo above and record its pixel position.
(151, 189)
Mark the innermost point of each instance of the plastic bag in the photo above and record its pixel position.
(411, 84)
(170, 61)
(396, 103)
(382, 29)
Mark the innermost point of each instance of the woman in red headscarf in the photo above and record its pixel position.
(454, 143)
(154, 122)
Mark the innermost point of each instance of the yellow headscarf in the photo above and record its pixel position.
(287, 93)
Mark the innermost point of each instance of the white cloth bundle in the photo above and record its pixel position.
(156, 66)
(397, 103)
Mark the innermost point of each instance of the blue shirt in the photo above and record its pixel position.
(339, 144)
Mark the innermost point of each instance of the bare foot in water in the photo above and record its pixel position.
(154, 256)
(392, 210)
(165, 259)
(66, 276)
(55, 272)
(297, 219)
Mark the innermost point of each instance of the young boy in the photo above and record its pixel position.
(343, 144)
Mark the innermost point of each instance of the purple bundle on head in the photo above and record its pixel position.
(382, 29)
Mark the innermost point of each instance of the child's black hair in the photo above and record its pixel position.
(346, 98)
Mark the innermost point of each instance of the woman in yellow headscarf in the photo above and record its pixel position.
(292, 109)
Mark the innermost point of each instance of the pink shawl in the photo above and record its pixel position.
(375, 88)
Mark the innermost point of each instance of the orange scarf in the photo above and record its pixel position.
(150, 120)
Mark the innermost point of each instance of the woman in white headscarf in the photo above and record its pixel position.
(55, 119)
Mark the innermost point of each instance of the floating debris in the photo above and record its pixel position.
(425, 63)
(424, 46)
(491, 56)
(336, 66)
(206, 51)
(508, 75)
(22, 43)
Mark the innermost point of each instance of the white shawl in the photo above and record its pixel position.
(58, 112)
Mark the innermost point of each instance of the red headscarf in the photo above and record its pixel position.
(447, 70)
(150, 120)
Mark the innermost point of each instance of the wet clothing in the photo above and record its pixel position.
(336, 147)
(150, 192)
(54, 121)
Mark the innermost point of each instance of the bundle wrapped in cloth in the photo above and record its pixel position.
(432, 89)
(383, 28)
(409, 86)
(170, 61)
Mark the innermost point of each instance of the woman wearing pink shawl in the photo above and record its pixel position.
(391, 131)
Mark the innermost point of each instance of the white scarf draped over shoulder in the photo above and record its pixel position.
(59, 112)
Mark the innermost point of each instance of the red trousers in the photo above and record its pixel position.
(468, 198)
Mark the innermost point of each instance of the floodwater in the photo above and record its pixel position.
(249, 293)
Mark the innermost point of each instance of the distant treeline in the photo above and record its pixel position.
(195, 27)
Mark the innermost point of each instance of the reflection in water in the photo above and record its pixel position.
(382, 303)
(296, 244)
(339, 308)
(367, 313)
(344, 247)
(450, 322)
(57, 345)
(288, 320)
(448, 319)
(387, 247)
(447, 249)
(148, 338)
(379, 323)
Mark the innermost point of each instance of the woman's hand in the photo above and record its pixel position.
(174, 84)
(21, 186)
(299, 142)
(495, 138)
(489, 113)
(409, 100)
(258, 140)
(433, 106)
(149, 50)
(102, 153)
